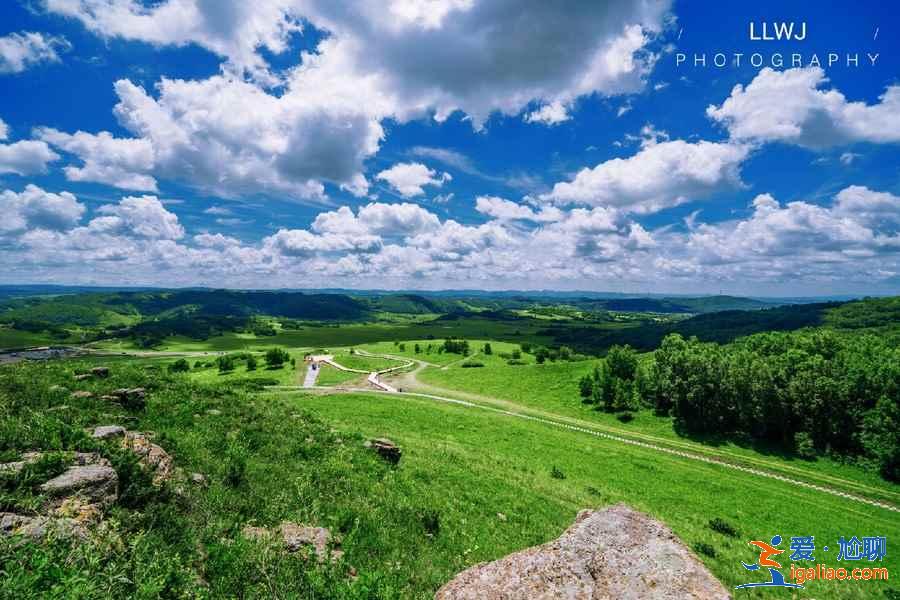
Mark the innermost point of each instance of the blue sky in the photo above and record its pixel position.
(450, 144)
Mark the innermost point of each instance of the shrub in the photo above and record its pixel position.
(179, 366)
(225, 363)
(705, 549)
(556, 473)
(625, 417)
(722, 526)
(514, 361)
(469, 364)
(431, 521)
(251, 363)
(803, 443)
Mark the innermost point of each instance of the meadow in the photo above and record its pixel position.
(472, 486)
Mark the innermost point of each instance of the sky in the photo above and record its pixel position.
(627, 146)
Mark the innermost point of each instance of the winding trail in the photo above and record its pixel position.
(686, 450)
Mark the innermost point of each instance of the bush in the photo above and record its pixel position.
(469, 364)
(431, 521)
(179, 366)
(625, 417)
(514, 362)
(251, 363)
(705, 549)
(556, 473)
(803, 444)
(724, 527)
(225, 363)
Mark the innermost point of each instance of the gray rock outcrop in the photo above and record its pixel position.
(615, 553)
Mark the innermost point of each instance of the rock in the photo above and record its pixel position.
(387, 450)
(501, 516)
(81, 395)
(40, 526)
(297, 537)
(214, 412)
(133, 398)
(82, 376)
(104, 432)
(79, 510)
(97, 482)
(316, 538)
(100, 372)
(58, 388)
(612, 553)
(151, 455)
(17, 466)
(198, 478)
(61, 407)
(11, 522)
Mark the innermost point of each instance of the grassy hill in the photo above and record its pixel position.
(472, 486)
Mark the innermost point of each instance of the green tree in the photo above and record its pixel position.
(180, 366)
(276, 357)
(251, 363)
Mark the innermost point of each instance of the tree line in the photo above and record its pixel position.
(813, 391)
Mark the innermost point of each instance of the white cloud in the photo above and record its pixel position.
(19, 51)
(26, 157)
(549, 114)
(661, 175)
(847, 158)
(34, 208)
(215, 240)
(513, 54)
(141, 216)
(122, 163)
(788, 106)
(409, 178)
(507, 210)
(4, 130)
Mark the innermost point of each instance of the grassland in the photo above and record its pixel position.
(551, 389)
(405, 530)
(506, 466)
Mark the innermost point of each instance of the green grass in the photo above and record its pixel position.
(299, 456)
(13, 338)
(486, 463)
(552, 388)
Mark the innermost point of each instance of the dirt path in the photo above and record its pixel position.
(412, 387)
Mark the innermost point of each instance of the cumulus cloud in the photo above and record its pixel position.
(35, 208)
(409, 178)
(788, 106)
(26, 157)
(513, 53)
(142, 216)
(507, 210)
(4, 130)
(661, 175)
(19, 51)
(800, 235)
(122, 163)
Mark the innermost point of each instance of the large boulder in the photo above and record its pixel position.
(103, 432)
(96, 482)
(615, 553)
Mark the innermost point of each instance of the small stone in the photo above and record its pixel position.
(297, 536)
(58, 388)
(59, 408)
(501, 516)
(108, 431)
(17, 466)
(82, 376)
(198, 478)
(81, 395)
(100, 372)
(387, 450)
(213, 411)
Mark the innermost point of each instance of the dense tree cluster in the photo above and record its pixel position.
(454, 346)
(614, 383)
(812, 391)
